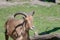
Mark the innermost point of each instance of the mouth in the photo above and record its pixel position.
(32, 27)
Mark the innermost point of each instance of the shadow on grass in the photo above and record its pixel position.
(50, 31)
(54, 1)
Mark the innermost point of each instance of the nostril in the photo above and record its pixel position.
(33, 26)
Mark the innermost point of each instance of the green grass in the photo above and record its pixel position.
(45, 18)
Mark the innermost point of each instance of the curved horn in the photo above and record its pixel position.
(21, 14)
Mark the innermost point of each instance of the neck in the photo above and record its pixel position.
(26, 33)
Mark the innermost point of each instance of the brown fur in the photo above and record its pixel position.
(18, 29)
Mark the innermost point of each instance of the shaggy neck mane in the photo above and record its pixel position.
(25, 33)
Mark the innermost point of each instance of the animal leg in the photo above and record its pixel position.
(6, 36)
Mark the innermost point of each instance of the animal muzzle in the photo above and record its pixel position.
(32, 27)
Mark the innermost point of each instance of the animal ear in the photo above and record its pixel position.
(33, 13)
(23, 17)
